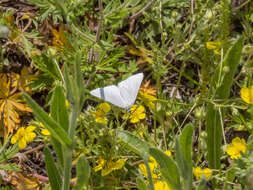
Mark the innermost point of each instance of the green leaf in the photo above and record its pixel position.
(55, 128)
(186, 143)
(79, 80)
(184, 155)
(141, 185)
(202, 185)
(6, 154)
(10, 167)
(83, 173)
(168, 167)
(184, 168)
(52, 170)
(139, 147)
(134, 143)
(67, 80)
(58, 108)
(220, 89)
(59, 112)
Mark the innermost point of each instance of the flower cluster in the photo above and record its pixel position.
(136, 114)
(147, 95)
(107, 166)
(247, 95)
(23, 136)
(234, 150)
(156, 175)
(215, 46)
(100, 113)
(200, 173)
(44, 131)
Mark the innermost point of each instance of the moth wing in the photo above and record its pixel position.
(129, 89)
(110, 94)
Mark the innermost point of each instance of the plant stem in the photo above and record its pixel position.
(67, 151)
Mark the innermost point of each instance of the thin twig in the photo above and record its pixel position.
(136, 15)
(28, 25)
(100, 5)
(222, 127)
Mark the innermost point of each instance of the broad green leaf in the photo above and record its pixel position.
(59, 112)
(168, 167)
(83, 173)
(184, 168)
(186, 143)
(220, 89)
(55, 128)
(134, 143)
(58, 108)
(52, 171)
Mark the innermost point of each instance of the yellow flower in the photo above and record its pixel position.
(147, 99)
(199, 173)
(247, 94)
(23, 136)
(67, 104)
(136, 114)
(153, 165)
(160, 185)
(44, 131)
(147, 95)
(215, 46)
(99, 114)
(108, 166)
(234, 150)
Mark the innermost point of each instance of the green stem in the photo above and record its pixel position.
(67, 151)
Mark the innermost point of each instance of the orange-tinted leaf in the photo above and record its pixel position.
(21, 182)
(5, 86)
(10, 104)
(60, 40)
(21, 107)
(22, 81)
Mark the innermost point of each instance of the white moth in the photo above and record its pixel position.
(123, 94)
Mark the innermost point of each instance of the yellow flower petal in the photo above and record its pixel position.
(101, 120)
(30, 128)
(22, 143)
(207, 172)
(160, 185)
(168, 153)
(233, 152)
(45, 132)
(134, 120)
(143, 170)
(101, 163)
(29, 137)
(142, 116)
(199, 173)
(14, 139)
(119, 164)
(247, 95)
(105, 107)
